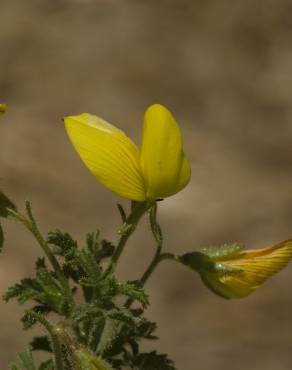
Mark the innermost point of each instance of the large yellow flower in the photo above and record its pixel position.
(233, 272)
(159, 169)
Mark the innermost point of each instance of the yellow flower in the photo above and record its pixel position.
(233, 272)
(159, 169)
(2, 108)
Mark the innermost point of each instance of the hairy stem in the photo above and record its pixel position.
(57, 347)
(128, 227)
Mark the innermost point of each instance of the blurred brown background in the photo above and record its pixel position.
(224, 68)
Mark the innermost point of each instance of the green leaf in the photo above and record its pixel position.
(63, 241)
(109, 334)
(144, 329)
(123, 314)
(95, 332)
(44, 289)
(26, 289)
(86, 311)
(28, 321)
(26, 360)
(41, 344)
(4, 204)
(47, 365)
(132, 290)
(153, 361)
(106, 250)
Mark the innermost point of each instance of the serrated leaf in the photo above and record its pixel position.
(26, 289)
(144, 329)
(85, 311)
(106, 250)
(64, 241)
(133, 291)
(28, 320)
(153, 361)
(123, 314)
(41, 344)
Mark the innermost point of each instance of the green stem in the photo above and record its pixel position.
(57, 347)
(157, 234)
(155, 261)
(158, 257)
(168, 256)
(128, 227)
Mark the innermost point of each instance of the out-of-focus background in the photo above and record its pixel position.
(224, 68)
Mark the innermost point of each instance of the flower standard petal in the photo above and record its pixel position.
(108, 153)
(165, 167)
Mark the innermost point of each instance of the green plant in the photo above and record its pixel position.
(92, 320)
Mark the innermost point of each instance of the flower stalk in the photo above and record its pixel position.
(128, 228)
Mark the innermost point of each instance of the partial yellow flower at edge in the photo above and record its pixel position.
(3, 108)
(256, 267)
(233, 272)
(158, 171)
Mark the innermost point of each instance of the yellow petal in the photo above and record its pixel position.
(108, 153)
(3, 108)
(256, 265)
(165, 167)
